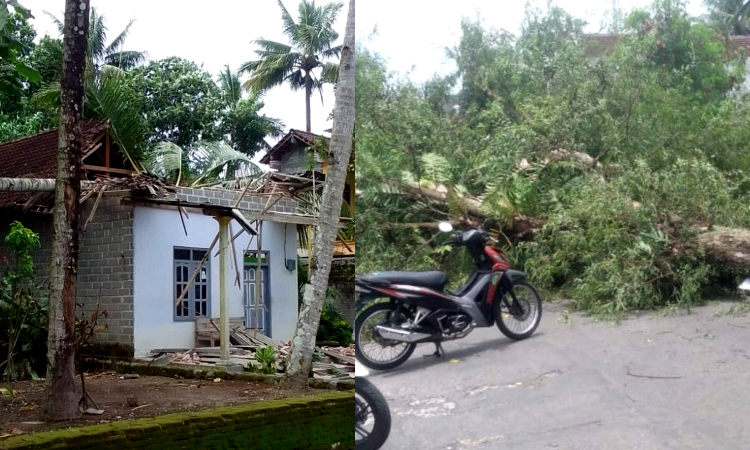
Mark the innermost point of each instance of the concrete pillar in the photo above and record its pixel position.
(224, 306)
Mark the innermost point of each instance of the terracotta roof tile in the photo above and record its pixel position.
(35, 156)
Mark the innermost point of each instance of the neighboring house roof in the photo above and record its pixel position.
(35, 156)
(287, 141)
(598, 44)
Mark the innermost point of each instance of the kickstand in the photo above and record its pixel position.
(439, 352)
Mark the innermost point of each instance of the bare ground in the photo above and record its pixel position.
(131, 398)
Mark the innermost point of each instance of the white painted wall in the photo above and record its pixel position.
(156, 232)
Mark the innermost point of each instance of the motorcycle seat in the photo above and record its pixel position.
(433, 279)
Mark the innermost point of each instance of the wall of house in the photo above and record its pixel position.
(297, 160)
(157, 232)
(104, 269)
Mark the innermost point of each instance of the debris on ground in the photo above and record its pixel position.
(336, 363)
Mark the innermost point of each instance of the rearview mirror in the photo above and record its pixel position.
(445, 227)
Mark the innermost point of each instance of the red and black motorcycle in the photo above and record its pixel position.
(398, 310)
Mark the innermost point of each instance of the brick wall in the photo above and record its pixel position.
(223, 197)
(105, 265)
(105, 270)
(321, 421)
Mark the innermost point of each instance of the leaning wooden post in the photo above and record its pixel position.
(258, 274)
(224, 307)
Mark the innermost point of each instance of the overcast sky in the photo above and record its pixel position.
(412, 34)
(211, 33)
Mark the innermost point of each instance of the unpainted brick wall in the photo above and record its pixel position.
(222, 197)
(105, 264)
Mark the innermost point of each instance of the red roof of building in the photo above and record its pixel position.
(35, 156)
(281, 146)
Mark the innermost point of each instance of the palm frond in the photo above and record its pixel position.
(166, 160)
(330, 73)
(230, 85)
(289, 24)
(272, 47)
(49, 96)
(60, 26)
(213, 161)
(97, 37)
(117, 43)
(125, 60)
(111, 97)
(332, 52)
(742, 13)
(272, 71)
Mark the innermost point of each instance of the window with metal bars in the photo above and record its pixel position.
(197, 300)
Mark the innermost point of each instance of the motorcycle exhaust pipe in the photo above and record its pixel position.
(394, 334)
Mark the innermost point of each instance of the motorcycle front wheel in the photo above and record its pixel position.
(521, 319)
(371, 349)
(372, 418)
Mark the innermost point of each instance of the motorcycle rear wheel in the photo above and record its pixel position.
(370, 402)
(362, 334)
(530, 303)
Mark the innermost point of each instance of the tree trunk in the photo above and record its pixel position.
(300, 358)
(61, 398)
(308, 94)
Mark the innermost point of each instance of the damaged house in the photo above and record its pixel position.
(149, 252)
(298, 153)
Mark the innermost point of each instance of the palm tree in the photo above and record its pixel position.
(99, 53)
(299, 362)
(311, 41)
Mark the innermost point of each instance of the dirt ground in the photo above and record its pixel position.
(123, 399)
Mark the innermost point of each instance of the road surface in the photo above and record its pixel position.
(674, 382)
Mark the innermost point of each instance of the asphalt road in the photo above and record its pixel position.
(674, 382)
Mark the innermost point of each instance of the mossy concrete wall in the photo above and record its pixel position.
(321, 421)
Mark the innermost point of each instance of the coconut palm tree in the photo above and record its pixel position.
(301, 63)
(98, 52)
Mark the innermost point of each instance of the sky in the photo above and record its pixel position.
(413, 40)
(210, 34)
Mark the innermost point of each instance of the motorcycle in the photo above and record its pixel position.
(372, 418)
(398, 310)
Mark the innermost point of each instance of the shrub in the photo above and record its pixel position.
(333, 326)
(23, 309)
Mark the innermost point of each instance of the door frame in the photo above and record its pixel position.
(266, 268)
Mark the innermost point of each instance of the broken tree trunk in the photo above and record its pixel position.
(31, 184)
(61, 401)
(303, 344)
(729, 245)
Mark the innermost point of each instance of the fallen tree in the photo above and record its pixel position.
(729, 246)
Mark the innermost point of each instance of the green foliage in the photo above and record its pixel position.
(247, 128)
(23, 308)
(333, 326)
(16, 37)
(180, 101)
(623, 155)
(266, 357)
